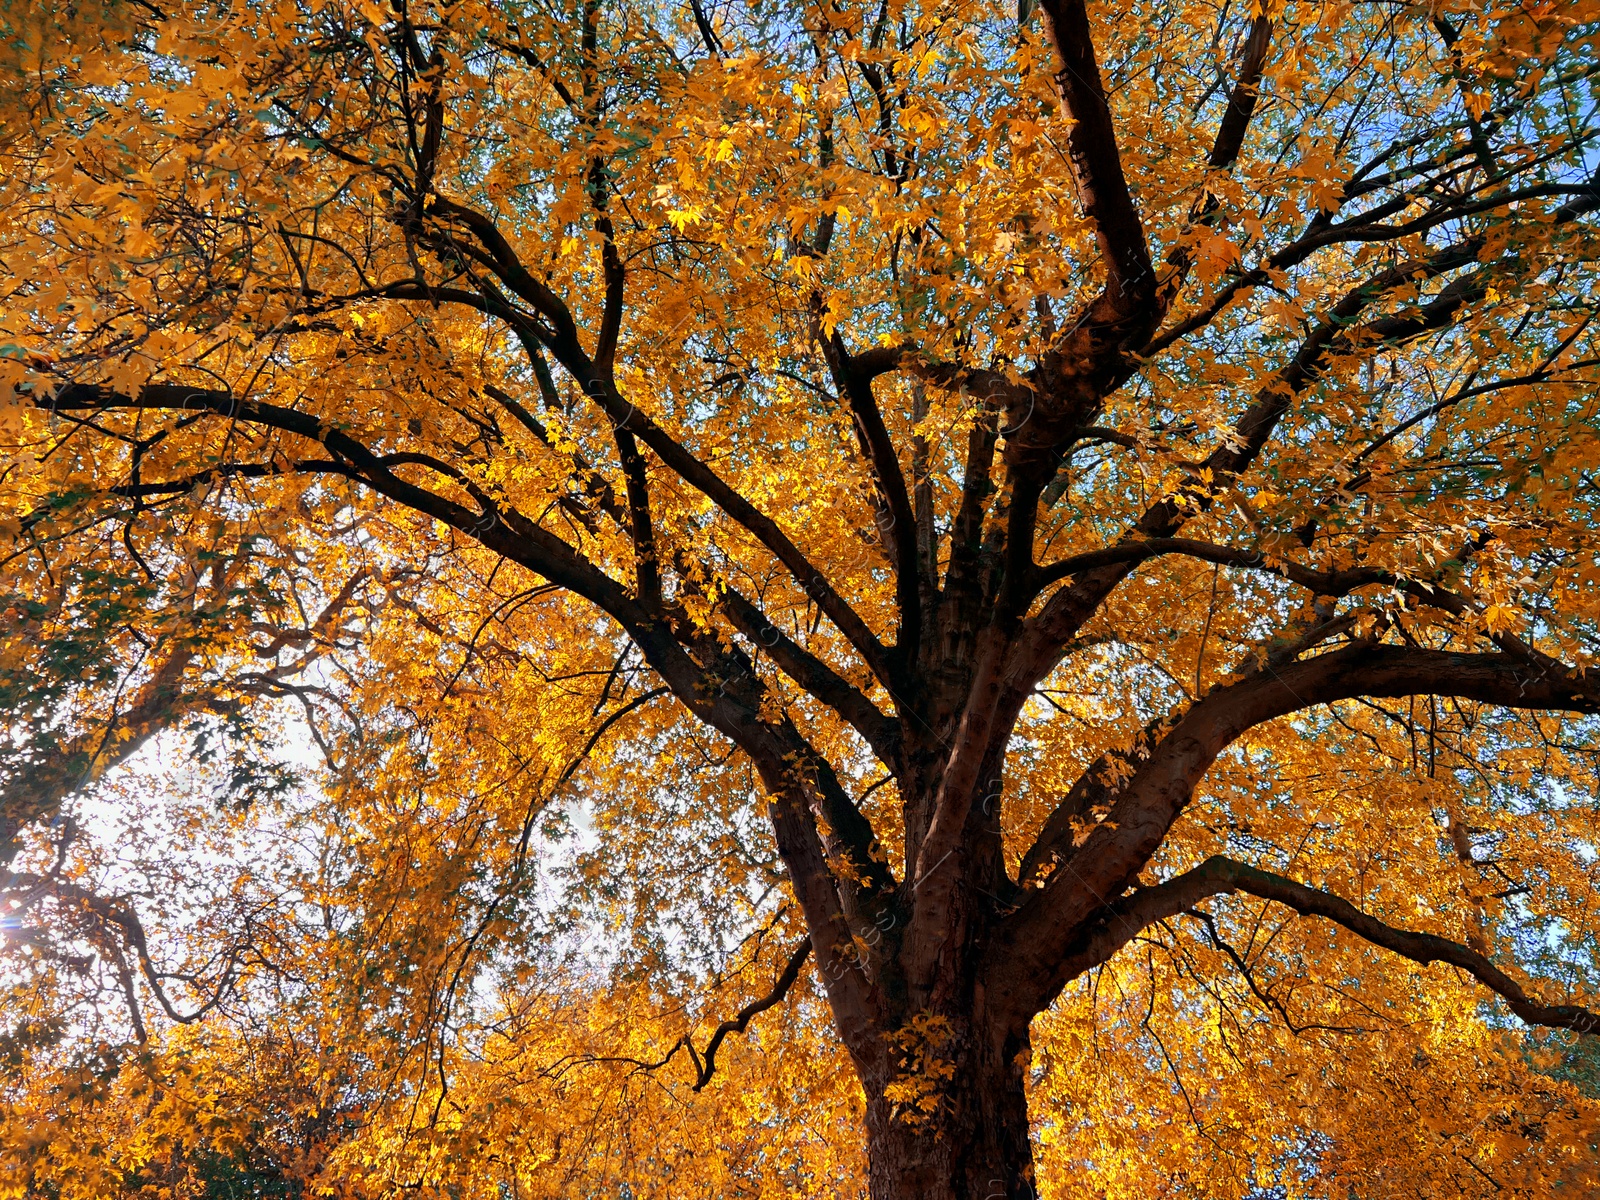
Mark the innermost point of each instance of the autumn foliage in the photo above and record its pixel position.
(904, 599)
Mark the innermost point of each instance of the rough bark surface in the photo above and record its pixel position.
(973, 1145)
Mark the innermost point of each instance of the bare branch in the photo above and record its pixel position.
(706, 1064)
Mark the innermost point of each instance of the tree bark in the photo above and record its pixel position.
(972, 1143)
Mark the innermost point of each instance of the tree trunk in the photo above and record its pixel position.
(971, 1143)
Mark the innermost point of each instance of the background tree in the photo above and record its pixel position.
(1016, 494)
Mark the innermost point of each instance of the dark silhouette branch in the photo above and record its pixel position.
(1219, 876)
(1064, 614)
(705, 1065)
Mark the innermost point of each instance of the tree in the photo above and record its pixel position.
(1072, 461)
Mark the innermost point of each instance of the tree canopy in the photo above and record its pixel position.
(922, 599)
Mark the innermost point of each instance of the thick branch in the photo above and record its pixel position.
(1225, 875)
(1073, 879)
(1323, 583)
(1219, 875)
(1224, 150)
(1096, 164)
(815, 676)
(561, 337)
(502, 530)
(729, 705)
(1242, 100)
(697, 474)
(900, 538)
(1368, 228)
(1067, 610)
